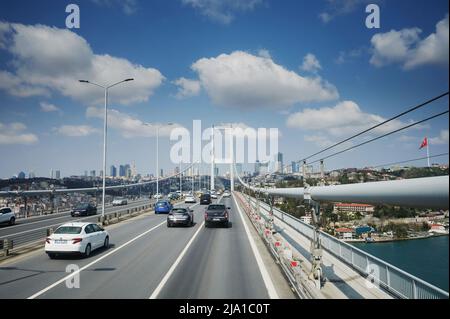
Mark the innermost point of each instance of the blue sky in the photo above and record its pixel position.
(310, 68)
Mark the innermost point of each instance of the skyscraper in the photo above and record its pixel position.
(239, 169)
(57, 174)
(295, 167)
(21, 175)
(257, 168)
(113, 171)
(279, 163)
(93, 173)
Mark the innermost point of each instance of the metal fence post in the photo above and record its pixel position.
(5, 247)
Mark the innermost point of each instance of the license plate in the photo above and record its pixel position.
(61, 242)
(216, 219)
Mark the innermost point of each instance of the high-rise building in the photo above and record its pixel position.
(295, 167)
(257, 168)
(32, 175)
(161, 173)
(52, 174)
(123, 170)
(279, 163)
(93, 173)
(85, 173)
(21, 175)
(216, 171)
(58, 174)
(113, 171)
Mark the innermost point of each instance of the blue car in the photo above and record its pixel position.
(163, 207)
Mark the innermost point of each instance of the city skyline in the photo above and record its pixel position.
(317, 80)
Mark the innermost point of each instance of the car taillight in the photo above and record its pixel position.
(47, 240)
(76, 240)
(226, 214)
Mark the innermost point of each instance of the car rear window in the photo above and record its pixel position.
(216, 207)
(70, 230)
(161, 204)
(179, 211)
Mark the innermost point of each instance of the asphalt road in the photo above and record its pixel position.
(24, 225)
(147, 257)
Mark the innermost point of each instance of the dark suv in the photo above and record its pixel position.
(217, 214)
(84, 210)
(205, 199)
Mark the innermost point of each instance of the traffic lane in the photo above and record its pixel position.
(135, 271)
(56, 221)
(25, 277)
(219, 265)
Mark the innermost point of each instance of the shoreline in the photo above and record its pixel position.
(359, 241)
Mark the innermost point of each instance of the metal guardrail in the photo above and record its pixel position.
(395, 281)
(14, 242)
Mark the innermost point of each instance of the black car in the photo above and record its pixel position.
(205, 199)
(180, 216)
(217, 214)
(84, 210)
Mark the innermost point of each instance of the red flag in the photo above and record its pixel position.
(424, 143)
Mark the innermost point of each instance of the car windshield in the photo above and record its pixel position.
(179, 211)
(216, 207)
(82, 206)
(70, 230)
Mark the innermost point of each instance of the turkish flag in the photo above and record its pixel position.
(424, 143)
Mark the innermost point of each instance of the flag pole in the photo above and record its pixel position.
(428, 153)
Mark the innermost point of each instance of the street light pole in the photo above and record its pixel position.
(105, 128)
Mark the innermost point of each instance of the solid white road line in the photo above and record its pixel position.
(158, 289)
(39, 293)
(262, 268)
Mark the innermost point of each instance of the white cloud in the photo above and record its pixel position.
(76, 130)
(48, 59)
(222, 11)
(407, 48)
(442, 139)
(13, 133)
(129, 126)
(341, 120)
(187, 87)
(310, 63)
(47, 107)
(264, 53)
(244, 80)
(129, 7)
(320, 140)
(335, 8)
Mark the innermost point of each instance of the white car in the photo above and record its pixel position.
(7, 216)
(157, 196)
(190, 199)
(120, 202)
(226, 194)
(76, 238)
(214, 196)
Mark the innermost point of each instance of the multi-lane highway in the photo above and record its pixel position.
(148, 260)
(54, 220)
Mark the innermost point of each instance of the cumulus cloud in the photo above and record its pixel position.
(76, 130)
(48, 59)
(241, 79)
(129, 7)
(320, 140)
(129, 126)
(343, 119)
(14, 133)
(310, 63)
(187, 87)
(409, 49)
(222, 11)
(442, 139)
(335, 8)
(47, 107)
